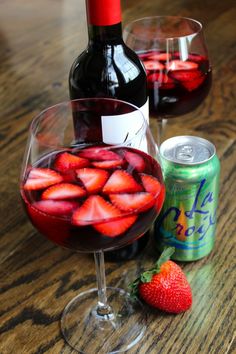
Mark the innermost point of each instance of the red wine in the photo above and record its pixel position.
(175, 87)
(107, 68)
(111, 210)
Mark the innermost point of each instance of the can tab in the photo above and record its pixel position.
(185, 153)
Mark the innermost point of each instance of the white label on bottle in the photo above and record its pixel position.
(124, 127)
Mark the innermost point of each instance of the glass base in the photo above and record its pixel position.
(87, 332)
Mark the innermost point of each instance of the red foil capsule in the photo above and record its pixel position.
(103, 12)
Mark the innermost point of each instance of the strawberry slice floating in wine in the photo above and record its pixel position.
(137, 202)
(120, 182)
(136, 161)
(153, 65)
(116, 228)
(63, 191)
(40, 178)
(66, 162)
(108, 164)
(60, 208)
(181, 65)
(190, 79)
(151, 184)
(98, 153)
(94, 209)
(93, 179)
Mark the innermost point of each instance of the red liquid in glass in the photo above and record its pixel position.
(175, 86)
(64, 207)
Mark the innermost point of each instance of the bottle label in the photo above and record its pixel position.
(125, 127)
(103, 12)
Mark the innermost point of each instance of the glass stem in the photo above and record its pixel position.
(103, 309)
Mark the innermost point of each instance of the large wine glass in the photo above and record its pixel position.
(93, 190)
(175, 56)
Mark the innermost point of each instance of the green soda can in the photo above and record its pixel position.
(188, 217)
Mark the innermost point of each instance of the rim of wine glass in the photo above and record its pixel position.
(171, 17)
(34, 123)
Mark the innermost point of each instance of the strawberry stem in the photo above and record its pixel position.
(164, 257)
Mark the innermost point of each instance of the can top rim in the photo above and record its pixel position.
(187, 150)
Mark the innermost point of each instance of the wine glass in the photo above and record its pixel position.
(93, 190)
(174, 53)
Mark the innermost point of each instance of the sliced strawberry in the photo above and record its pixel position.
(185, 75)
(95, 208)
(193, 85)
(181, 65)
(40, 178)
(160, 56)
(47, 173)
(93, 179)
(162, 80)
(196, 57)
(107, 164)
(66, 162)
(55, 207)
(151, 184)
(135, 160)
(137, 202)
(98, 153)
(62, 191)
(121, 182)
(153, 65)
(69, 176)
(190, 79)
(115, 228)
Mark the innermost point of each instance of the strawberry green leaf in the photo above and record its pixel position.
(146, 277)
(134, 288)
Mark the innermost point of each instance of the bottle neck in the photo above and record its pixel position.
(104, 21)
(105, 34)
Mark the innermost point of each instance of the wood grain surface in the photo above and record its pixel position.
(38, 42)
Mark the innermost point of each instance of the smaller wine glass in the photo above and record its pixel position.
(93, 190)
(174, 53)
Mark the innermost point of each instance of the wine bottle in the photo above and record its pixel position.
(108, 68)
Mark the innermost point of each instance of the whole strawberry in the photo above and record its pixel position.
(165, 286)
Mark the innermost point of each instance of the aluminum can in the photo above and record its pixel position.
(188, 218)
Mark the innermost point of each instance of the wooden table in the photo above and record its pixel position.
(38, 42)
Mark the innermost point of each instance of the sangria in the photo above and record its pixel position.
(91, 192)
(175, 56)
(70, 195)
